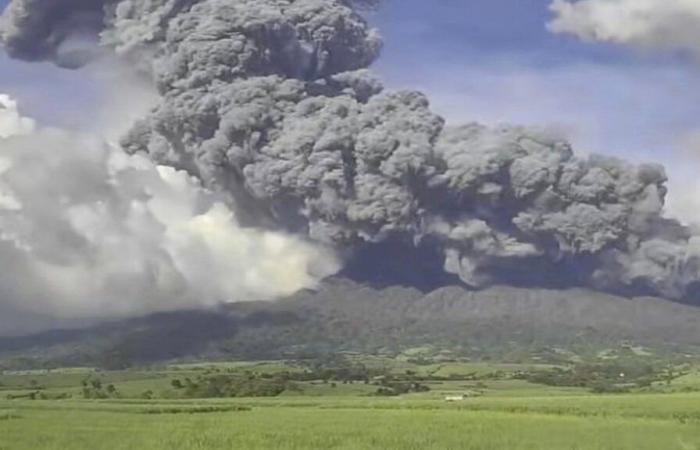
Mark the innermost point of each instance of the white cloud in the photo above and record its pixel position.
(87, 231)
(654, 25)
(11, 122)
(649, 24)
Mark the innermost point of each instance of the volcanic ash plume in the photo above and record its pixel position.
(270, 103)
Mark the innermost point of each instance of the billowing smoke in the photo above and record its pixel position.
(88, 231)
(270, 103)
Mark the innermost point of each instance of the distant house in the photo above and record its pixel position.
(455, 398)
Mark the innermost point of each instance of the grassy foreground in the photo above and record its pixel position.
(497, 413)
(342, 424)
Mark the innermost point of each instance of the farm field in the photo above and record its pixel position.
(494, 410)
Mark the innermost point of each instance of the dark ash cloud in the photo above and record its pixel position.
(270, 102)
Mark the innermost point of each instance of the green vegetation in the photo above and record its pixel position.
(357, 401)
(609, 376)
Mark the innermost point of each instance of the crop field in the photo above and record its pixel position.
(492, 409)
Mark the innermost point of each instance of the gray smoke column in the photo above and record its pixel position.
(271, 102)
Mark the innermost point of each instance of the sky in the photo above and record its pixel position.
(493, 62)
(497, 62)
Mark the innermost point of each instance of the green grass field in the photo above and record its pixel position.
(502, 413)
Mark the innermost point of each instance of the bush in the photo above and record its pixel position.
(224, 386)
(94, 389)
(607, 388)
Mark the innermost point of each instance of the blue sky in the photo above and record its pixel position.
(496, 62)
(492, 61)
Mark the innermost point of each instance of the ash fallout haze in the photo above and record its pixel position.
(261, 154)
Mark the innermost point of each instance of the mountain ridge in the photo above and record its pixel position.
(342, 315)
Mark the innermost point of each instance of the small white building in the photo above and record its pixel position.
(455, 398)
